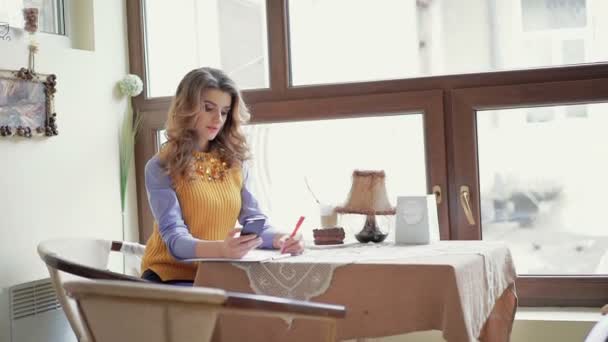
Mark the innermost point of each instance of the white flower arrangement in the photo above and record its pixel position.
(130, 86)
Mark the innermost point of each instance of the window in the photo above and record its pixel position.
(389, 39)
(183, 35)
(542, 185)
(51, 18)
(533, 114)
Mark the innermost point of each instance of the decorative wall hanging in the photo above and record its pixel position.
(26, 104)
(26, 97)
(30, 16)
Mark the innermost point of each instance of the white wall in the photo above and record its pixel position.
(66, 185)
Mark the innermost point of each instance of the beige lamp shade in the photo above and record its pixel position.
(367, 195)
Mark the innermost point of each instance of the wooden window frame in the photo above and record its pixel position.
(446, 101)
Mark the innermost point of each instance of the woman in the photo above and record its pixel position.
(198, 184)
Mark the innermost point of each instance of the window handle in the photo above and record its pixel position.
(465, 197)
(437, 192)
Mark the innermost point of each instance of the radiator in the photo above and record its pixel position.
(36, 314)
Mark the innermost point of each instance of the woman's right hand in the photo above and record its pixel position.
(234, 247)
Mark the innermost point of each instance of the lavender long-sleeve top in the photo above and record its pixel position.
(167, 211)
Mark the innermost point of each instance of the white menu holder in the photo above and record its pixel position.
(416, 220)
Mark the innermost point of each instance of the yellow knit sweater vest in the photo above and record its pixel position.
(210, 209)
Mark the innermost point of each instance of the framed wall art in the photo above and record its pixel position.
(26, 104)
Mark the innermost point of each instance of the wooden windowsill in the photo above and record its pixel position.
(572, 314)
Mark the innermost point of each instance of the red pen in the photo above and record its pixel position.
(295, 230)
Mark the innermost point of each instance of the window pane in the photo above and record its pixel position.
(543, 184)
(389, 39)
(50, 14)
(540, 15)
(324, 154)
(161, 138)
(186, 34)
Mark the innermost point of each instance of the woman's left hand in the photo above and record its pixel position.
(294, 246)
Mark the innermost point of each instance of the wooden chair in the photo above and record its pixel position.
(87, 260)
(83, 258)
(127, 311)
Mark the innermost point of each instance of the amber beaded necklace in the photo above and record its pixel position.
(209, 166)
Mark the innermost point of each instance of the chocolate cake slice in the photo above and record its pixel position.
(329, 236)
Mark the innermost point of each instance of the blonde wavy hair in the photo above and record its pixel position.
(177, 154)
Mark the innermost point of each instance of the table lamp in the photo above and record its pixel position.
(368, 197)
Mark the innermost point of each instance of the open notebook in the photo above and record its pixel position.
(255, 255)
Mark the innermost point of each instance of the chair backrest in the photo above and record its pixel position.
(82, 258)
(599, 333)
(127, 311)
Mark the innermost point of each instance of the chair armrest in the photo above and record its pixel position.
(201, 295)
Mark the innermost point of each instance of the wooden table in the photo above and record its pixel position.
(463, 288)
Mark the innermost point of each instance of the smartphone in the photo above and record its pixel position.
(255, 226)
